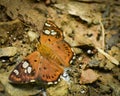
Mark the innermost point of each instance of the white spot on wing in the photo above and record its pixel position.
(48, 25)
(25, 64)
(16, 72)
(25, 71)
(71, 61)
(74, 57)
(55, 82)
(59, 79)
(32, 80)
(46, 32)
(29, 69)
(49, 83)
(53, 32)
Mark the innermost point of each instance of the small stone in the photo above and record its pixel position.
(8, 51)
(32, 35)
(88, 76)
(61, 89)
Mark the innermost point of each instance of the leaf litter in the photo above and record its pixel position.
(86, 27)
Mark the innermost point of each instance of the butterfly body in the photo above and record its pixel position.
(48, 62)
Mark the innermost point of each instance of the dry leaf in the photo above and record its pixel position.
(88, 76)
(87, 12)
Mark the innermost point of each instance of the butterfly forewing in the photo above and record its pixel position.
(51, 33)
(59, 47)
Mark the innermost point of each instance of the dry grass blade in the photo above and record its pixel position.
(112, 59)
(103, 34)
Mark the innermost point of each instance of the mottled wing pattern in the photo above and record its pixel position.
(50, 34)
(49, 70)
(27, 70)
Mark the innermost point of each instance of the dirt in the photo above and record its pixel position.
(88, 27)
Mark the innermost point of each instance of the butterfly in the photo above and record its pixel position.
(47, 63)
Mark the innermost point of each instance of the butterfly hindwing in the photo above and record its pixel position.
(49, 71)
(27, 70)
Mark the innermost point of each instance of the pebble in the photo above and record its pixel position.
(8, 51)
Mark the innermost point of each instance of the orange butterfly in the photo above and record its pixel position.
(48, 62)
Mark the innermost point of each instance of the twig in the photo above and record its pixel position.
(10, 22)
(112, 59)
(103, 34)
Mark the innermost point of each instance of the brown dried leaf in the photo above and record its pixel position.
(88, 76)
(90, 13)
